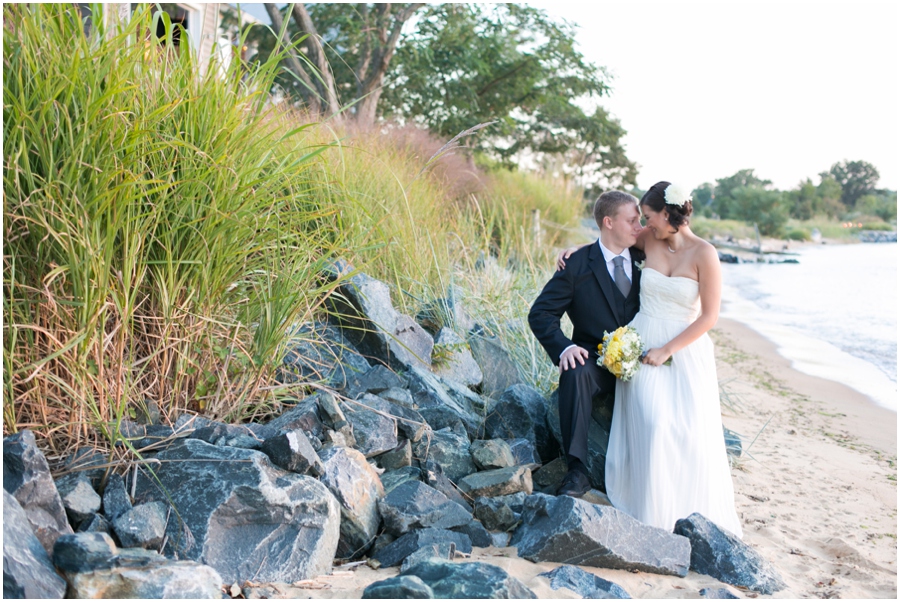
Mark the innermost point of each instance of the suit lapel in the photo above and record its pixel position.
(598, 266)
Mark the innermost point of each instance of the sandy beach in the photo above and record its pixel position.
(817, 492)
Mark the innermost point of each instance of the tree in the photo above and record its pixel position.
(470, 63)
(857, 178)
(726, 203)
(766, 208)
(703, 196)
(804, 201)
(349, 48)
(829, 192)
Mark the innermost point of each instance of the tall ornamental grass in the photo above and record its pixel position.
(162, 229)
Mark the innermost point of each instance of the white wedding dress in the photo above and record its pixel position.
(666, 457)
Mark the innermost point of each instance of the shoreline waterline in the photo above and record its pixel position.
(832, 316)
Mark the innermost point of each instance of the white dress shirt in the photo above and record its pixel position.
(608, 256)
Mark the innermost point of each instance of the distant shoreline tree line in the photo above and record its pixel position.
(849, 190)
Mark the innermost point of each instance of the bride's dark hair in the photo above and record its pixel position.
(655, 198)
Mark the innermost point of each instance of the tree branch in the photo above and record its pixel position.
(293, 60)
(304, 22)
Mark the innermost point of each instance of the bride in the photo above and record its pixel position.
(666, 456)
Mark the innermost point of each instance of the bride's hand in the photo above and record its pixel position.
(656, 357)
(563, 255)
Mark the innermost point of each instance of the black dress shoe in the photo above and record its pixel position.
(575, 484)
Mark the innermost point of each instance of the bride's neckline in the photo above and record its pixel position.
(664, 276)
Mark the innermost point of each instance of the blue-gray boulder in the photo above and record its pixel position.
(26, 476)
(717, 593)
(449, 579)
(115, 498)
(718, 553)
(393, 478)
(492, 453)
(293, 451)
(357, 488)
(143, 526)
(393, 553)
(415, 505)
(572, 531)
(402, 587)
(586, 585)
(456, 361)
(78, 497)
(319, 352)
(374, 432)
(437, 406)
(84, 552)
(377, 379)
(520, 412)
(27, 570)
(241, 515)
(499, 371)
(448, 448)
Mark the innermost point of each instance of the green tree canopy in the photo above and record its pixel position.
(470, 63)
(857, 178)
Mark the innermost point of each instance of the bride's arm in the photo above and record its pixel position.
(710, 277)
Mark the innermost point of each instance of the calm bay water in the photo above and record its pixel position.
(833, 315)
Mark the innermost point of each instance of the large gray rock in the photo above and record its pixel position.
(455, 359)
(476, 532)
(441, 551)
(500, 481)
(88, 462)
(143, 526)
(377, 379)
(367, 316)
(115, 499)
(498, 370)
(26, 476)
(78, 497)
(718, 553)
(148, 580)
(304, 416)
(146, 437)
(84, 552)
(27, 570)
(292, 451)
(95, 524)
(242, 516)
(449, 449)
(320, 353)
(415, 505)
(375, 433)
(396, 458)
(398, 588)
(395, 478)
(500, 513)
(549, 477)
(717, 593)
(435, 477)
(524, 451)
(357, 488)
(410, 424)
(396, 551)
(732, 443)
(492, 453)
(588, 586)
(598, 442)
(437, 406)
(468, 580)
(521, 412)
(445, 312)
(572, 531)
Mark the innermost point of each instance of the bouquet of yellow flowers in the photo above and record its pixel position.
(621, 352)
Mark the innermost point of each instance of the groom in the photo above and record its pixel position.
(598, 289)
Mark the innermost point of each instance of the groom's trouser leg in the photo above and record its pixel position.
(577, 387)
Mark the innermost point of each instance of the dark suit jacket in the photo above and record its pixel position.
(586, 292)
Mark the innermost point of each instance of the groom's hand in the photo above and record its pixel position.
(570, 356)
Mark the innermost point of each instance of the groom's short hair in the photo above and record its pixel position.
(609, 202)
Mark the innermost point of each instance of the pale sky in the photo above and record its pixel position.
(705, 89)
(787, 88)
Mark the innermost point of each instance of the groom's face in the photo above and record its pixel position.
(625, 226)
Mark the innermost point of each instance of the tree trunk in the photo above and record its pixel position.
(325, 80)
(372, 80)
(294, 64)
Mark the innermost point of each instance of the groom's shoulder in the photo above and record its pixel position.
(580, 259)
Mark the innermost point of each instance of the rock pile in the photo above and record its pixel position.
(417, 459)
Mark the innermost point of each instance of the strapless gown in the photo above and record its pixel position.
(666, 457)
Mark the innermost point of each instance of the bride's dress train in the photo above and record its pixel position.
(666, 456)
